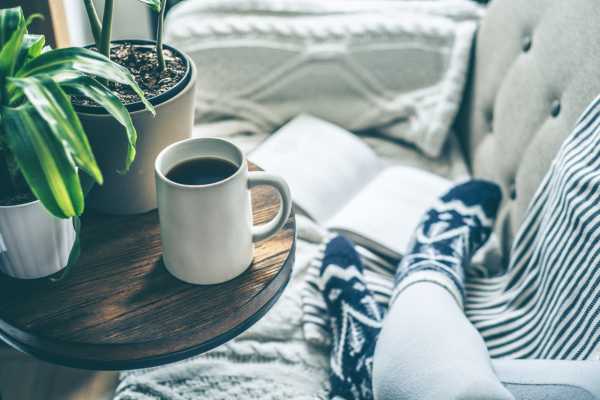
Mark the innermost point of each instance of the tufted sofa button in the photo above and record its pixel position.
(512, 191)
(489, 119)
(555, 108)
(526, 44)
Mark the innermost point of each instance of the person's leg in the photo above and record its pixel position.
(449, 234)
(355, 320)
(427, 348)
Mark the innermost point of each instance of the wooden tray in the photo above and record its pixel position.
(120, 309)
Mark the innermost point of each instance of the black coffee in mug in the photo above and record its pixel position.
(201, 171)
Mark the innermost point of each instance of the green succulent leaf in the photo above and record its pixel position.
(43, 161)
(92, 89)
(84, 61)
(54, 106)
(155, 5)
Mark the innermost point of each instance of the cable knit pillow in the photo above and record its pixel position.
(396, 66)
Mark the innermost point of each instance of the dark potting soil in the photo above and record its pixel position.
(142, 62)
(14, 200)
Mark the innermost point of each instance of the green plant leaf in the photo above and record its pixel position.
(12, 30)
(32, 47)
(54, 106)
(155, 5)
(11, 49)
(43, 161)
(92, 89)
(84, 61)
(11, 19)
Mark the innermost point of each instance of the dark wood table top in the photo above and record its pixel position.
(120, 309)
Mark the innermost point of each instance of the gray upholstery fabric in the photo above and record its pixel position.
(550, 379)
(536, 67)
(533, 58)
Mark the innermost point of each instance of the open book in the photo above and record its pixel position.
(339, 182)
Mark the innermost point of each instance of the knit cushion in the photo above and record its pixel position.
(267, 61)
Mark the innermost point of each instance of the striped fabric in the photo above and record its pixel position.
(546, 303)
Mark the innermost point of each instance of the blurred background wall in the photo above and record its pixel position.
(66, 24)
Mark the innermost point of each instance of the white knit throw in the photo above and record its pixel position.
(396, 66)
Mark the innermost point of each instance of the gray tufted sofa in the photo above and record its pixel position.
(536, 67)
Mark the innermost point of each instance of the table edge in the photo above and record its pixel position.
(41, 351)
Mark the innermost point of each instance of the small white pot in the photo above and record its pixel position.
(33, 243)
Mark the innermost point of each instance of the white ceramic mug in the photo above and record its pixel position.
(206, 230)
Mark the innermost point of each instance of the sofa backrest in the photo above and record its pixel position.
(536, 66)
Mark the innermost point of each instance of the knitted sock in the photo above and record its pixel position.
(449, 234)
(355, 320)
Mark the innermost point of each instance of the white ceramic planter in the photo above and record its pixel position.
(135, 191)
(33, 243)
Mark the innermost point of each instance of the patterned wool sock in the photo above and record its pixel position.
(449, 234)
(355, 320)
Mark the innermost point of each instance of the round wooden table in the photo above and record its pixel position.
(120, 309)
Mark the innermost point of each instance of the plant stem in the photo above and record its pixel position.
(94, 20)
(106, 28)
(159, 36)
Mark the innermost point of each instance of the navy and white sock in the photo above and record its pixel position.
(355, 320)
(442, 245)
(448, 236)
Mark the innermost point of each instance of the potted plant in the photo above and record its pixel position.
(167, 78)
(43, 146)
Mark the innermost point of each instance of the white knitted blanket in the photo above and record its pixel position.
(396, 66)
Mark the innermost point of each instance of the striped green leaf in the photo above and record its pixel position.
(43, 161)
(11, 19)
(83, 61)
(32, 47)
(12, 30)
(54, 106)
(92, 89)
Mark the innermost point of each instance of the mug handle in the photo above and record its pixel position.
(266, 230)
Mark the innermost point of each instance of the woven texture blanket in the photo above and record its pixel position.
(398, 66)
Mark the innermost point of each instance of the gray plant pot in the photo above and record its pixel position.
(134, 192)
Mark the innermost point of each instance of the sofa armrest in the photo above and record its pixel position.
(550, 379)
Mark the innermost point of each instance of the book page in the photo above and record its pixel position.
(324, 165)
(385, 213)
